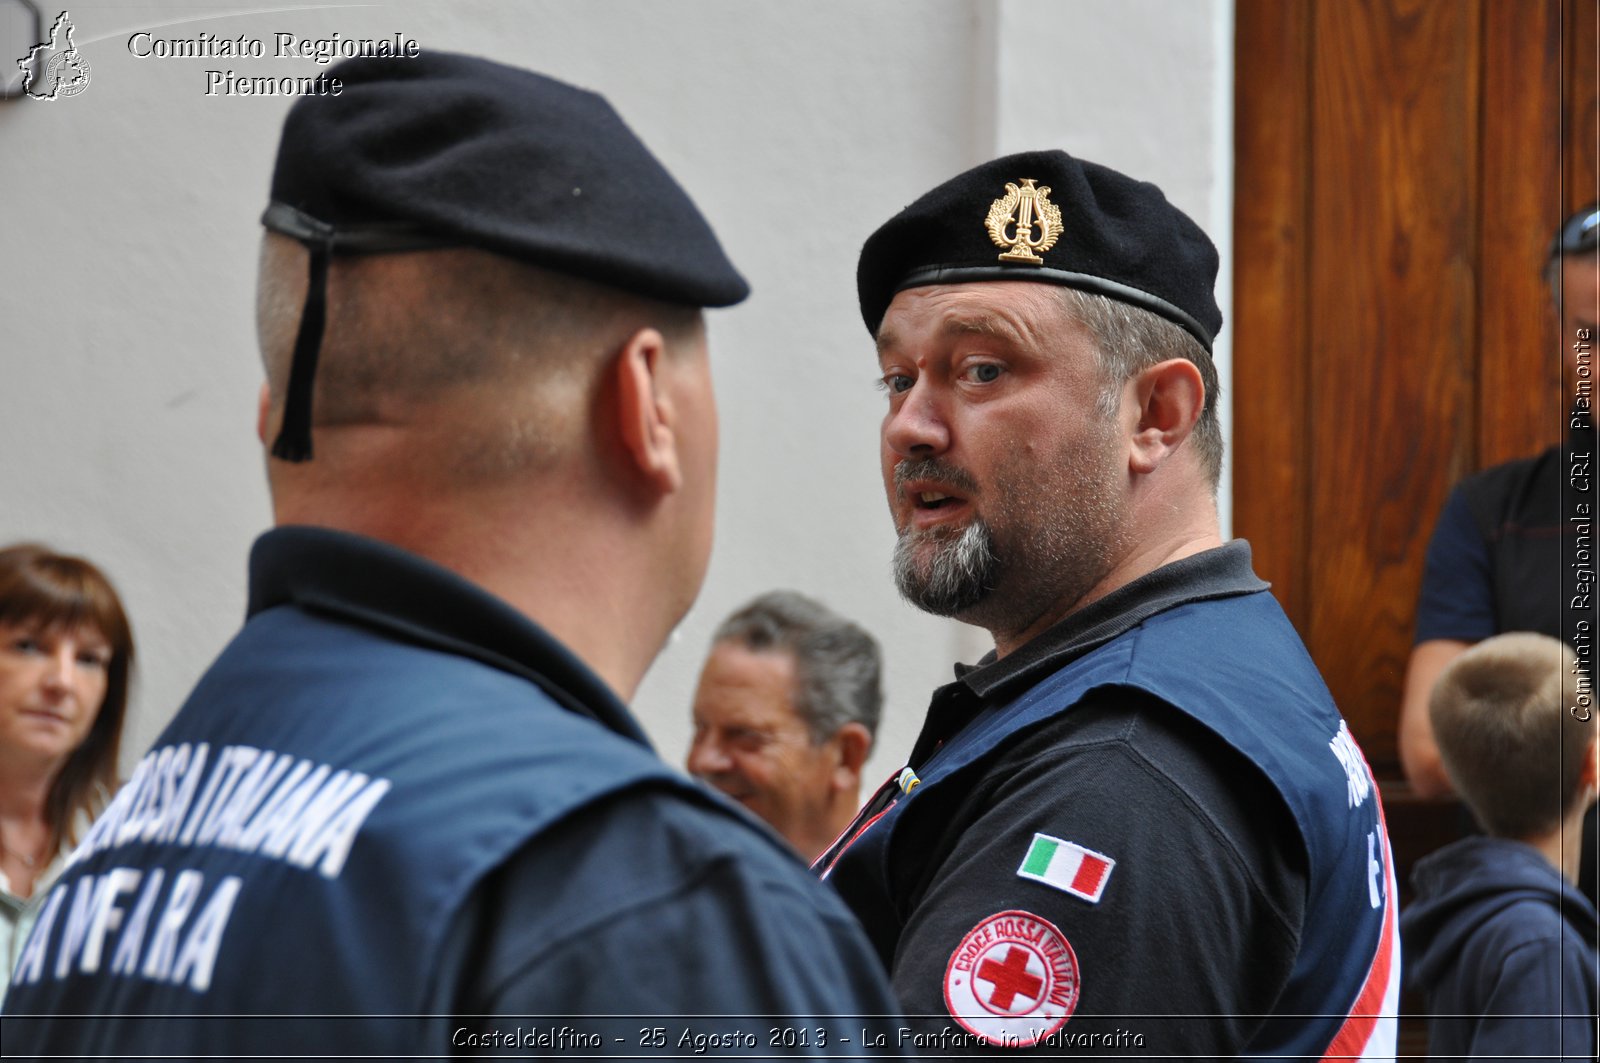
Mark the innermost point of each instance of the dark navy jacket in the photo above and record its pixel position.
(1498, 942)
(1199, 643)
(399, 810)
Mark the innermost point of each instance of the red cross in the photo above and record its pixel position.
(1010, 978)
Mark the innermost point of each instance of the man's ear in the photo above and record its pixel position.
(854, 743)
(1170, 397)
(1591, 766)
(645, 416)
(263, 412)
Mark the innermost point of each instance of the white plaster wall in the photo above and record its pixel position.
(1143, 86)
(128, 226)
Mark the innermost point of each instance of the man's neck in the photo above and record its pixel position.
(1199, 535)
(1563, 847)
(25, 787)
(568, 569)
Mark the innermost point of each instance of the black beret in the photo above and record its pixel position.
(443, 150)
(1086, 226)
(453, 150)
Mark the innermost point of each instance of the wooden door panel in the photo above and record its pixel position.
(1394, 144)
(1400, 164)
(1519, 364)
(1270, 327)
(1580, 72)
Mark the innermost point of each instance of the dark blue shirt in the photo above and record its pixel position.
(1146, 831)
(1494, 561)
(1502, 947)
(403, 814)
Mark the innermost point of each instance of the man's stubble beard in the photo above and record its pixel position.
(1048, 541)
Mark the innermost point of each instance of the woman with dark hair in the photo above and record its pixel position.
(65, 654)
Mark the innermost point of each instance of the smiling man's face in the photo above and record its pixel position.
(751, 743)
(1006, 482)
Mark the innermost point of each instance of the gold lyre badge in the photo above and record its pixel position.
(1031, 211)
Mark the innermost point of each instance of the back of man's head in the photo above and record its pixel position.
(508, 353)
(480, 317)
(461, 221)
(838, 665)
(1504, 716)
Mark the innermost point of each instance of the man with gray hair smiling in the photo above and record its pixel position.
(785, 713)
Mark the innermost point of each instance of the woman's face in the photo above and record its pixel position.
(52, 683)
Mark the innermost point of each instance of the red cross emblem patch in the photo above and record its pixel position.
(1013, 980)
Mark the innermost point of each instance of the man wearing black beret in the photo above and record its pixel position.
(1139, 824)
(408, 800)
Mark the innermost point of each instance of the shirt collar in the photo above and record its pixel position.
(1222, 572)
(385, 588)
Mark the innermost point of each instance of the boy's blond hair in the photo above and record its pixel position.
(1510, 745)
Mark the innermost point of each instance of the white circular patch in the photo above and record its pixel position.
(1013, 980)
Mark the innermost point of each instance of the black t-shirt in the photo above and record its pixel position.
(1494, 562)
(1199, 919)
(1195, 928)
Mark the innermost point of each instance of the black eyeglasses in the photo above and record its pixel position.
(1578, 234)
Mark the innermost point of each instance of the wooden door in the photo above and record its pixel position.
(1401, 165)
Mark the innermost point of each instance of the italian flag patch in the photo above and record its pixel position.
(1067, 866)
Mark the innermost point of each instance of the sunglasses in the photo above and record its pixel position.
(1578, 234)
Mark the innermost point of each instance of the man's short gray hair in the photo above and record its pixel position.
(1131, 340)
(838, 666)
(404, 329)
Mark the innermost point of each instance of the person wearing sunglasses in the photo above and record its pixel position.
(1504, 555)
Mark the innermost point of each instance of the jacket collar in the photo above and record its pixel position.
(378, 586)
(1223, 572)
